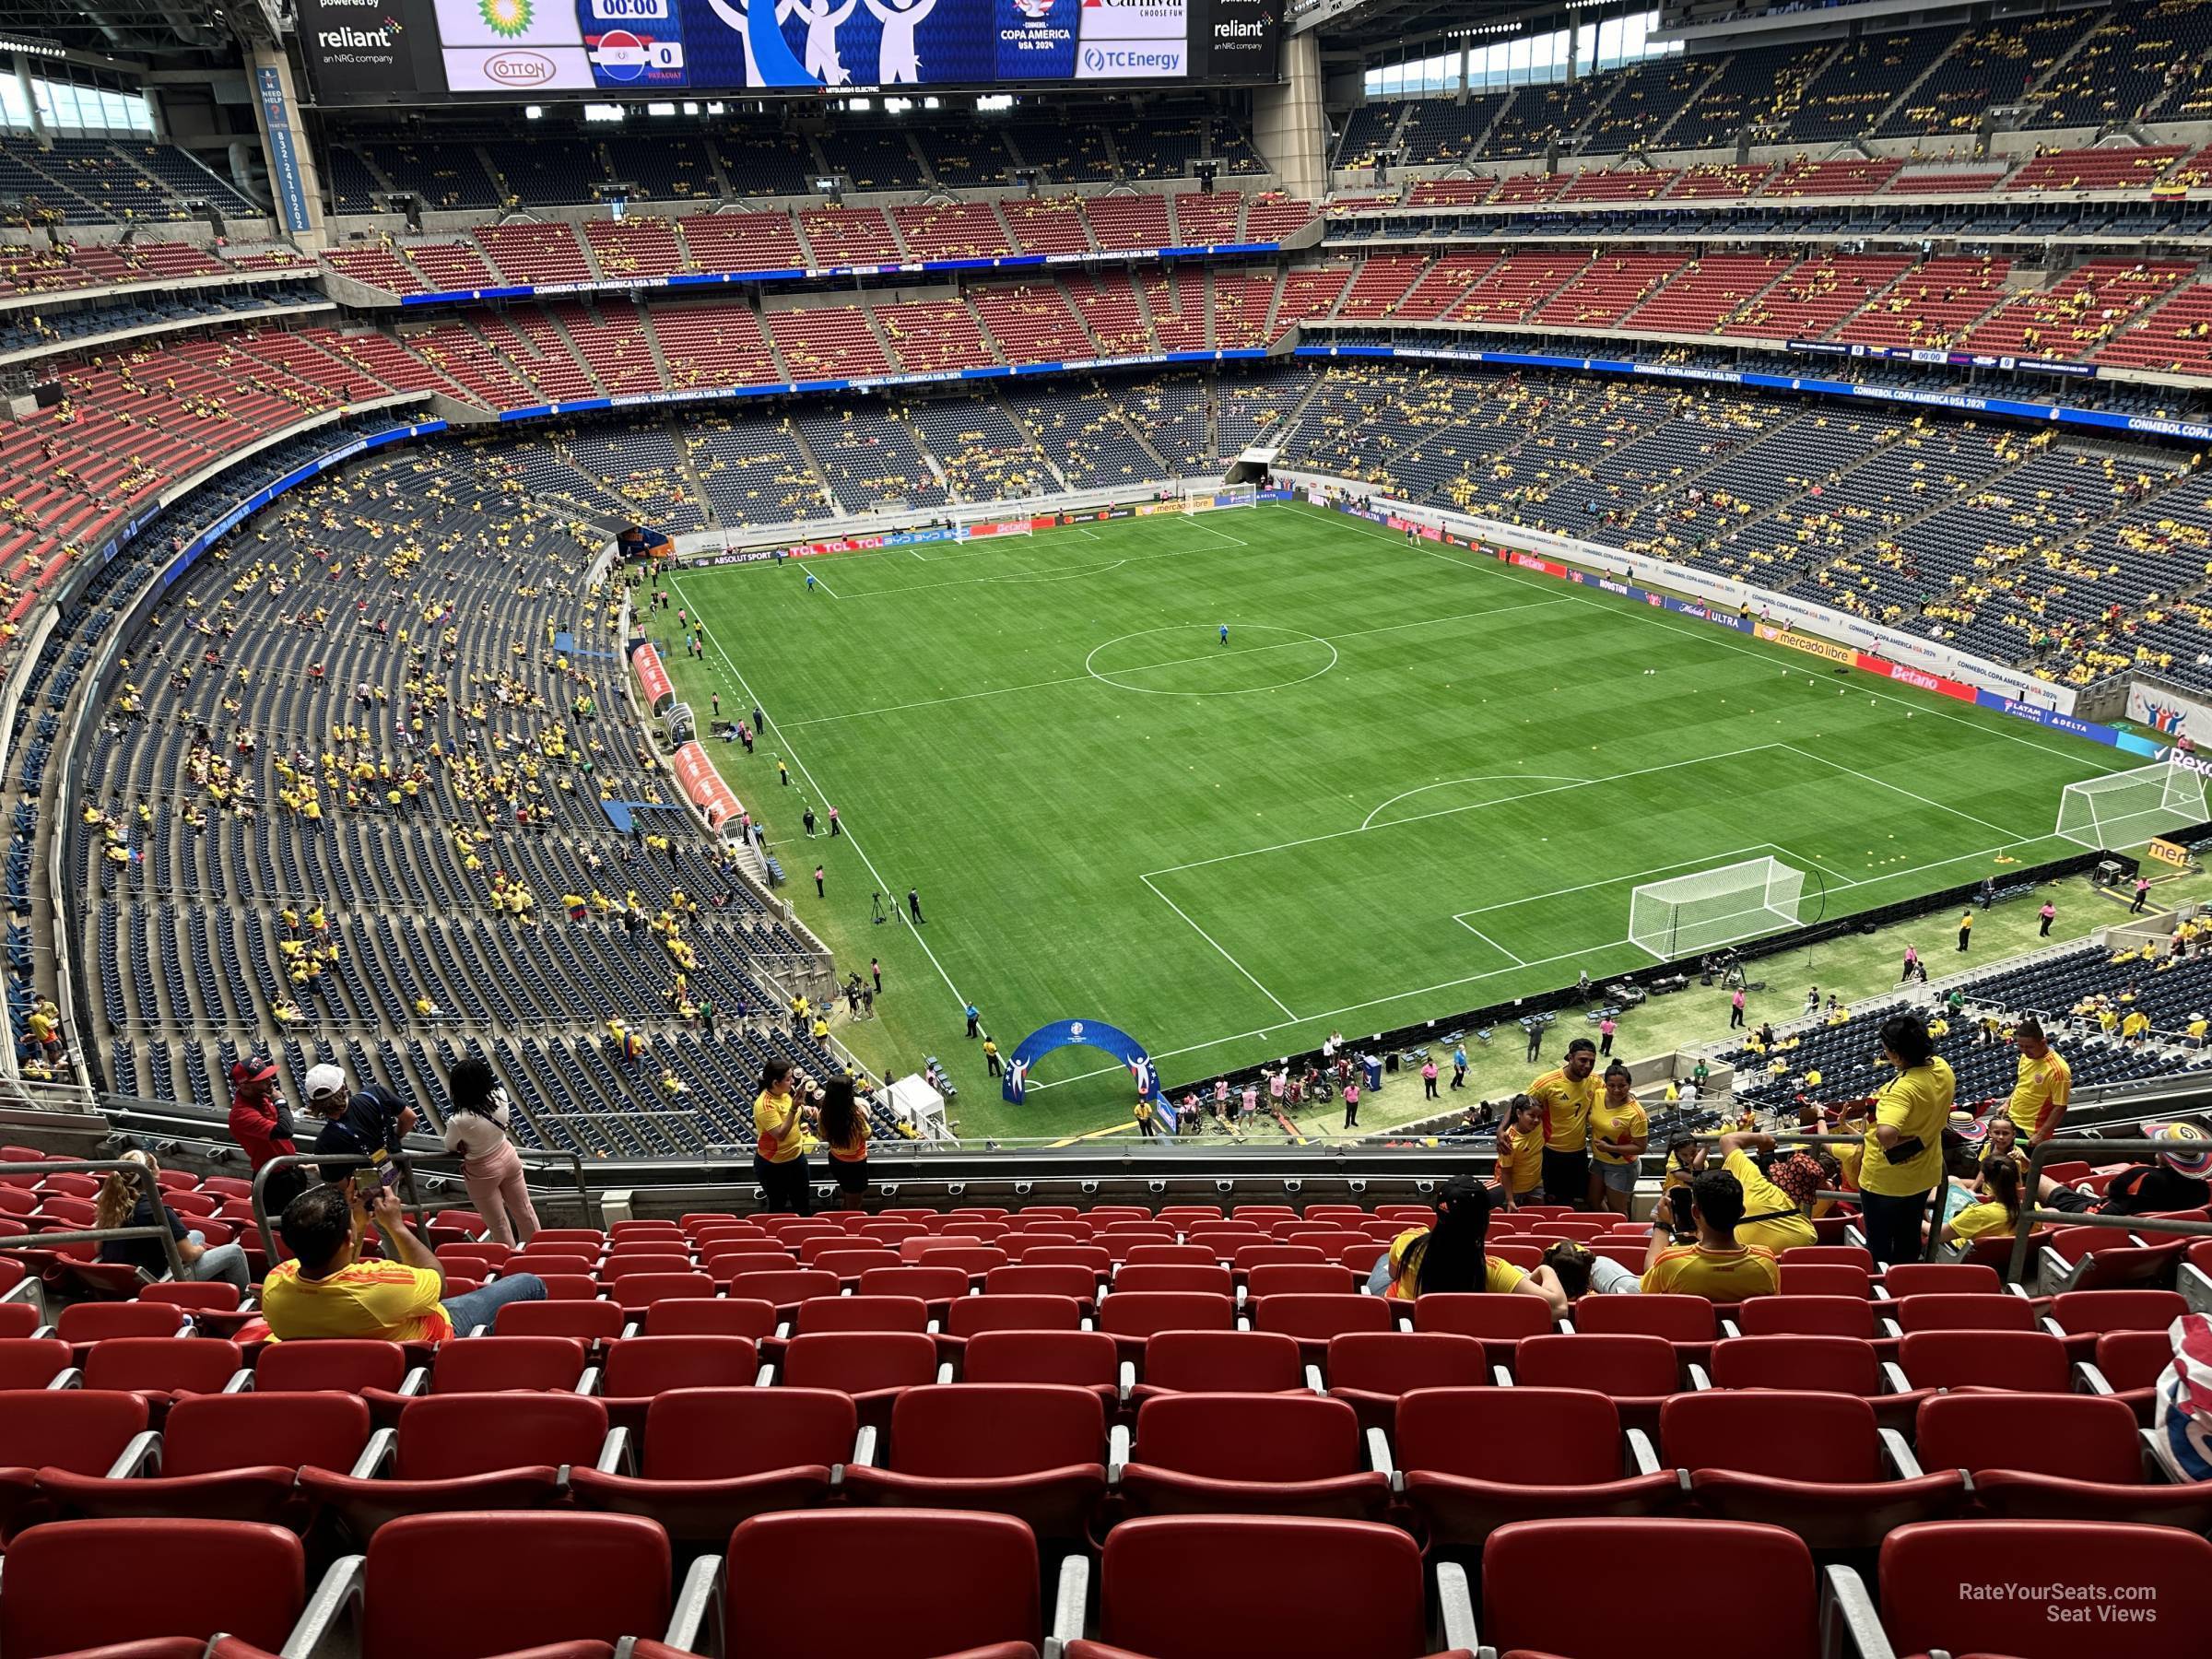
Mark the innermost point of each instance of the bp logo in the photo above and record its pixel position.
(507, 19)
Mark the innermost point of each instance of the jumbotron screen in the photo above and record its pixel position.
(400, 52)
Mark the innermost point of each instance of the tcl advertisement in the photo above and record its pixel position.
(389, 51)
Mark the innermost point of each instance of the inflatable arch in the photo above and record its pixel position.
(1079, 1034)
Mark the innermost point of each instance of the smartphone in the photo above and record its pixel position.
(387, 1175)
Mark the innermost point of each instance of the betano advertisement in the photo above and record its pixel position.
(389, 52)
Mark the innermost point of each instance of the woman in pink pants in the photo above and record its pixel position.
(476, 1127)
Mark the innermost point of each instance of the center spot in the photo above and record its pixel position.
(1192, 660)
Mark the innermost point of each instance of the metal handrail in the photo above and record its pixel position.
(407, 1163)
(149, 1187)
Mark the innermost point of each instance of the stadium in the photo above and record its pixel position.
(945, 784)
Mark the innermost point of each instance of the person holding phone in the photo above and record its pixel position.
(1902, 1161)
(780, 1153)
(329, 1289)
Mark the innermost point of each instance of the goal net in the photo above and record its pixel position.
(1221, 495)
(1686, 914)
(2127, 808)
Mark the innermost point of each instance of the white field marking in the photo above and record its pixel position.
(917, 553)
(1301, 639)
(1042, 572)
(1232, 961)
(1478, 777)
(1658, 619)
(1224, 534)
(826, 588)
(1080, 531)
(1076, 679)
(1813, 863)
(1040, 576)
(819, 794)
(1493, 943)
(1307, 840)
(1910, 794)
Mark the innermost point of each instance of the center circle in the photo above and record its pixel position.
(1268, 656)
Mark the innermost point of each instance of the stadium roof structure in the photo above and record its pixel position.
(132, 28)
(1370, 25)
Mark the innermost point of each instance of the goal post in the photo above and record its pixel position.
(1685, 915)
(2126, 808)
(1219, 495)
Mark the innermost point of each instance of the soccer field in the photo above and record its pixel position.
(1412, 781)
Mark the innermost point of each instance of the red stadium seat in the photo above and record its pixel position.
(587, 1321)
(1297, 1278)
(1370, 1370)
(935, 1286)
(1211, 1280)
(1335, 1589)
(2129, 1364)
(347, 1365)
(1934, 1587)
(1477, 1459)
(871, 1366)
(1035, 1278)
(1969, 1312)
(1788, 1316)
(1313, 1320)
(1816, 1364)
(1814, 1463)
(2055, 1457)
(1131, 1316)
(1030, 1450)
(714, 1316)
(1219, 1362)
(1937, 1278)
(860, 1313)
(161, 1367)
(972, 1315)
(2028, 1362)
(45, 1430)
(1688, 1321)
(1498, 1322)
(226, 1457)
(637, 1294)
(1536, 1599)
(188, 1581)
(709, 1458)
(1819, 1278)
(33, 1362)
(82, 1324)
(508, 1363)
(1251, 1454)
(1084, 1358)
(1638, 1372)
(783, 1288)
(640, 1368)
(464, 1451)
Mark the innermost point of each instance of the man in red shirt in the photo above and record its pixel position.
(262, 1124)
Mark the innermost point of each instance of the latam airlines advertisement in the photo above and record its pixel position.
(395, 52)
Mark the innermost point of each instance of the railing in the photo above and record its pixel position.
(2032, 1215)
(149, 1188)
(316, 1162)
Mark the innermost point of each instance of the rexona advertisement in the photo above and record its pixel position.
(386, 52)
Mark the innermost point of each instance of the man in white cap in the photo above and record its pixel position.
(370, 1123)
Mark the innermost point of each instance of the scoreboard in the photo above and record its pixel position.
(403, 51)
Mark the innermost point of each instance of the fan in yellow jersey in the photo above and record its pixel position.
(1452, 1257)
(1566, 1096)
(1902, 1158)
(2046, 1082)
(1618, 1132)
(1997, 1208)
(1520, 1154)
(1777, 1199)
(1715, 1266)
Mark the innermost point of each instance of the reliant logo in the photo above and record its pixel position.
(518, 68)
(355, 40)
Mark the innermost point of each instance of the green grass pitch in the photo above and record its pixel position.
(1413, 781)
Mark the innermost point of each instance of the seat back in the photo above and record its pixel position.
(1247, 1257)
(512, 1363)
(1334, 1588)
(860, 1361)
(1397, 1362)
(1625, 1366)
(1967, 1313)
(2032, 1362)
(963, 1581)
(1832, 1364)
(191, 1579)
(1146, 1313)
(204, 1433)
(1211, 1279)
(972, 1314)
(102, 1322)
(1084, 1357)
(729, 1433)
(2084, 1311)
(634, 1290)
(2073, 1437)
(446, 1436)
(345, 1364)
(32, 1361)
(1517, 1436)
(973, 1260)
(1092, 1257)
(1791, 1436)
(1256, 1437)
(1530, 1569)
(578, 1321)
(1321, 1316)
(1676, 1318)
(641, 1366)
(168, 1364)
(1222, 1361)
(986, 1431)
(66, 1428)
(1298, 1279)
(2134, 1359)
(782, 1286)
(591, 1578)
(1789, 1315)
(1034, 1278)
(1849, 1255)
(863, 1314)
(215, 1294)
(929, 1284)
(714, 1316)
(1939, 1278)
(1929, 1573)
(1825, 1278)
(1477, 1314)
